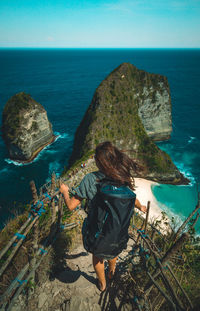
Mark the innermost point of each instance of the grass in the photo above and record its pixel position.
(26, 251)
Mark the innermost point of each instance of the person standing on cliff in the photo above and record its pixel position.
(117, 166)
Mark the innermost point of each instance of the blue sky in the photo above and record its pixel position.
(99, 23)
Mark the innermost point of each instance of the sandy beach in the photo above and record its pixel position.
(144, 194)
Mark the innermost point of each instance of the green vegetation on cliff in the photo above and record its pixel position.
(12, 113)
(113, 115)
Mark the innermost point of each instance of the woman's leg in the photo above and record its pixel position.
(99, 269)
(112, 265)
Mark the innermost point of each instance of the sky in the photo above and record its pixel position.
(100, 24)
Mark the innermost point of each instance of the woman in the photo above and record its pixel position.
(117, 166)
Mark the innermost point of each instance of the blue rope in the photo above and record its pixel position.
(142, 250)
(20, 236)
(42, 250)
(62, 227)
(142, 233)
(46, 195)
(41, 210)
(20, 281)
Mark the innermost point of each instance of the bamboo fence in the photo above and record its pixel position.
(163, 278)
(27, 273)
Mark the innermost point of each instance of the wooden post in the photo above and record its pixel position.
(165, 280)
(175, 247)
(53, 182)
(4, 250)
(35, 230)
(60, 207)
(17, 246)
(170, 253)
(34, 191)
(59, 212)
(147, 217)
(161, 291)
(53, 208)
(195, 221)
(179, 285)
(19, 290)
(187, 220)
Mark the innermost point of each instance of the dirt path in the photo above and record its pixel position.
(74, 288)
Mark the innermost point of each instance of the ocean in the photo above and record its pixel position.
(64, 81)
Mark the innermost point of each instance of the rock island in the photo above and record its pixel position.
(131, 108)
(26, 129)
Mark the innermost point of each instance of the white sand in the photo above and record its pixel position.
(144, 194)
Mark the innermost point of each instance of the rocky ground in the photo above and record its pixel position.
(73, 288)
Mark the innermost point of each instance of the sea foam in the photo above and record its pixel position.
(41, 153)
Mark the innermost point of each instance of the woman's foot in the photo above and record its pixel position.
(112, 266)
(100, 286)
(111, 274)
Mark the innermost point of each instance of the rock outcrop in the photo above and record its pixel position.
(25, 127)
(154, 106)
(129, 108)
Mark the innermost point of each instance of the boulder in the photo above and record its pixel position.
(26, 129)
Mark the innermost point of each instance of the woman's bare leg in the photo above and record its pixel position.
(112, 265)
(99, 269)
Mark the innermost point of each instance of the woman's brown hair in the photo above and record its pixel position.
(115, 164)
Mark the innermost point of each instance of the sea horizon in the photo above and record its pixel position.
(101, 48)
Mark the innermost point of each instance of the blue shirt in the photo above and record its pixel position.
(88, 186)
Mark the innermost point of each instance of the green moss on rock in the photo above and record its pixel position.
(25, 127)
(13, 111)
(113, 115)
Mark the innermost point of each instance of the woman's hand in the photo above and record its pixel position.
(64, 188)
(71, 203)
(143, 208)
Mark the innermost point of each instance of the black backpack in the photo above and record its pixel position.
(105, 230)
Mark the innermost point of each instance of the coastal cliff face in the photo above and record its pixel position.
(128, 108)
(25, 127)
(154, 106)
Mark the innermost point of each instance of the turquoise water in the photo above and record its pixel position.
(64, 81)
(177, 201)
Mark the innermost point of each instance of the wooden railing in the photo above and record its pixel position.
(53, 200)
(144, 246)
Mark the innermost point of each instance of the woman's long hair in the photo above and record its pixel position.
(115, 164)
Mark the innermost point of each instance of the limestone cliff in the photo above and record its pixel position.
(128, 105)
(25, 127)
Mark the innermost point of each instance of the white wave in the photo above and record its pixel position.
(167, 208)
(177, 217)
(191, 139)
(9, 161)
(62, 136)
(186, 172)
(51, 151)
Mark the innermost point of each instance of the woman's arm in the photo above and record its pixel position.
(141, 207)
(71, 203)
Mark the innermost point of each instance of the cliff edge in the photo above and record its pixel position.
(131, 108)
(26, 129)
